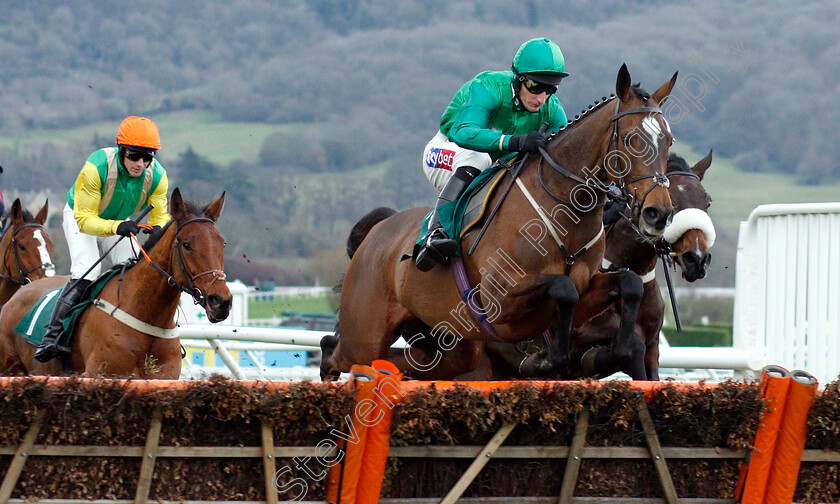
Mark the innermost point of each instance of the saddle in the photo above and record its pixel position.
(460, 216)
(33, 326)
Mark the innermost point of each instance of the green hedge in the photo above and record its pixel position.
(712, 335)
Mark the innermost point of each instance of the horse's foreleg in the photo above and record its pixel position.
(628, 345)
(626, 350)
(556, 360)
(649, 325)
(329, 371)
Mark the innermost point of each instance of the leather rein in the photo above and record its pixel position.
(190, 288)
(614, 192)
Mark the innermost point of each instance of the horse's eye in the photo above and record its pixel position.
(627, 140)
(21, 247)
(187, 246)
(708, 201)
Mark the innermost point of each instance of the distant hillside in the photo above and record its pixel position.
(311, 113)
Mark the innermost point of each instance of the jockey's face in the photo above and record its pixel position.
(136, 162)
(532, 102)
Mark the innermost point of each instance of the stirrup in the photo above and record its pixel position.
(49, 351)
(427, 258)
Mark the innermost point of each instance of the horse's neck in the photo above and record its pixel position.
(144, 286)
(626, 249)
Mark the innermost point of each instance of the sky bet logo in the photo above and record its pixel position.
(440, 158)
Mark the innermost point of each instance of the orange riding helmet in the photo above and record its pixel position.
(138, 132)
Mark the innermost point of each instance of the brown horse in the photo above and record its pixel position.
(687, 240)
(26, 249)
(140, 338)
(526, 281)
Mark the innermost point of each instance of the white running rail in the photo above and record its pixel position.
(787, 300)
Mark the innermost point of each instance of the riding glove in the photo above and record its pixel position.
(127, 228)
(529, 143)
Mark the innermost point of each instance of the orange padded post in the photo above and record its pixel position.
(343, 478)
(388, 393)
(752, 480)
(784, 472)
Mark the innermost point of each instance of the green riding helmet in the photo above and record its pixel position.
(540, 59)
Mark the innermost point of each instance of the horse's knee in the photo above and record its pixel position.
(631, 285)
(563, 291)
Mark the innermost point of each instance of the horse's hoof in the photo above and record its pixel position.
(539, 365)
(328, 344)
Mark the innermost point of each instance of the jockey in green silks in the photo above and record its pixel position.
(494, 115)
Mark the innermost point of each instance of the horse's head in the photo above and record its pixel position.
(691, 233)
(638, 150)
(199, 251)
(28, 247)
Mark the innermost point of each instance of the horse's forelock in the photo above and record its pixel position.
(640, 91)
(676, 163)
(27, 215)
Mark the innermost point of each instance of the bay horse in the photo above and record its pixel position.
(686, 240)
(186, 255)
(527, 282)
(26, 249)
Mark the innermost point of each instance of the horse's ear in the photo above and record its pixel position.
(664, 91)
(43, 213)
(177, 207)
(17, 211)
(622, 83)
(214, 210)
(700, 168)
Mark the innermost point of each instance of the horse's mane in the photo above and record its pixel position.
(27, 215)
(637, 89)
(193, 208)
(676, 163)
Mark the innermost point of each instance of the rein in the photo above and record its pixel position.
(619, 192)
(197, 294)
(24, 275)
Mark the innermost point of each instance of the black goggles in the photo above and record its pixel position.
(133, 155)
(536, 88)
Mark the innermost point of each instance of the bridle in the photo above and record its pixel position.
(615, 192)
(24, 275)
(659, 179)
(190, 288)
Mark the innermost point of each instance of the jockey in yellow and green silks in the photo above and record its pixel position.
(114, 183)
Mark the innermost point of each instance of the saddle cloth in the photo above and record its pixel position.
(33, 326)
(459, 216)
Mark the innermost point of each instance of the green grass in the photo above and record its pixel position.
(307, 304)
(737, 193)
(217, 140)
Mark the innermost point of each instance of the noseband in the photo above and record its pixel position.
(620, 192)
(659, 179)
(24, 275)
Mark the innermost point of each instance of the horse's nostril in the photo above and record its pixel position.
(651, 215)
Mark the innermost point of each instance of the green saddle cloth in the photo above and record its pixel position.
(33, 326)
(451, 214)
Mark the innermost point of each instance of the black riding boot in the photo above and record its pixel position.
(438, 247)
(55, 341)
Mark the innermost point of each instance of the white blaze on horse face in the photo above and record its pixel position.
(44, 253)
(652, 128)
